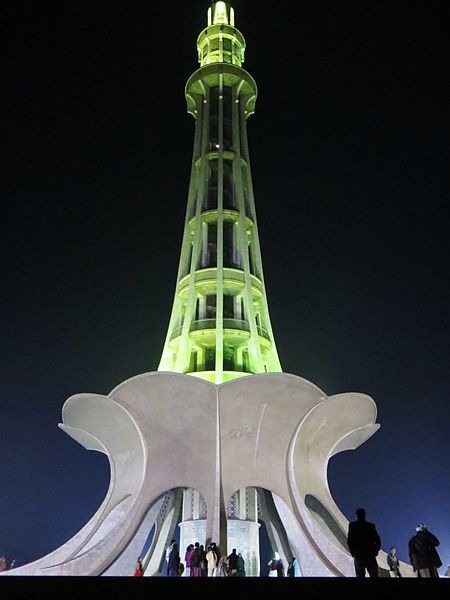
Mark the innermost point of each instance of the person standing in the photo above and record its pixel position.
(174, 561)
(203, 561)
(393, 563)
(211, 559)
(187, 560)
(276, 566)
(232, 561)
(241, 565)
(195, 561)
(293, 569)
(139, 571)
(168, 551)
(280, 568)
(216, 549)
(222, 567)
(364, 543)
(423, 555)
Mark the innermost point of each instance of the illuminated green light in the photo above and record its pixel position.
(220, 13)
(220, 328)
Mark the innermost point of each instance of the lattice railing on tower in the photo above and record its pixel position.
(232, 507)
(203, 509)
(166, 506)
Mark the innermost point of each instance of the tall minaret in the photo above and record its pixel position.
(220, 326)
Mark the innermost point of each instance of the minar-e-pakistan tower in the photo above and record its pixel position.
(219, 439)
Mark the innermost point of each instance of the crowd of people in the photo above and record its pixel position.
(201, 562)
(363, 541)
(364, 544)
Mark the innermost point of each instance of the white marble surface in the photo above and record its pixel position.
(161, 431)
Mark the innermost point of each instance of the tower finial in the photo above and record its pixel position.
(221, 13)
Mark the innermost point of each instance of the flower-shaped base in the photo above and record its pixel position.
(162, 431)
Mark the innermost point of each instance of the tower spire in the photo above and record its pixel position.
(220, 327)
(220, 12)
(220, 41)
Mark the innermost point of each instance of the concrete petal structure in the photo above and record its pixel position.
(273, 431)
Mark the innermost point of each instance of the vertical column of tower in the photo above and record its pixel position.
(220, 326)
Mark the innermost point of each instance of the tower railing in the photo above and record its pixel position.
(228, 323)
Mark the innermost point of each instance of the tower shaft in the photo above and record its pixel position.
(220, 327)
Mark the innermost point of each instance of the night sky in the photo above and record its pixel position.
(349, 150)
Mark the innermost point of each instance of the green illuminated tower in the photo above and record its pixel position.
(216, 460)
(220, 326)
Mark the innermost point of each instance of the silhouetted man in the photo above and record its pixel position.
(232, 560)
(364, 544)
(423, 554)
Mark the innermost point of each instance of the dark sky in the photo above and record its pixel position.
(350, 160)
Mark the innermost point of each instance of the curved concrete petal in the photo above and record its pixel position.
(258, 417)
(341, 422)
(153, 428)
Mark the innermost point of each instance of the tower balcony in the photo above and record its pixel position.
(221, 43)
(206, 280)
(210, 75)
(229, 325)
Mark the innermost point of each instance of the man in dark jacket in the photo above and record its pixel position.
(174, 561)
(423, 554)
(232, 560)
(364, 544)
